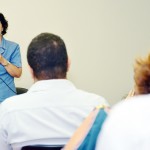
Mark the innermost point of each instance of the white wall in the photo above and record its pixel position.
(103, 37)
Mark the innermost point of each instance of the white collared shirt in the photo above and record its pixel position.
(48, 113)
(127, 126)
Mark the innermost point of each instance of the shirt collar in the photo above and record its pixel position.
(52, 84)
(2, 45)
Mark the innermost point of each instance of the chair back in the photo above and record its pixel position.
(42, 147)
(21, 90)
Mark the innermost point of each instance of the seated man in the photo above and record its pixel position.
(53, 107)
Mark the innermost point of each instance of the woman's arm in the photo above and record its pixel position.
(11, 69)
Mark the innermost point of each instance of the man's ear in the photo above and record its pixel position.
(68, 63)
(31, 72)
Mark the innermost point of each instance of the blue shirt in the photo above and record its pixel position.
(11, 52)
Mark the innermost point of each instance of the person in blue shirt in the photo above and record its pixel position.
(10, 62)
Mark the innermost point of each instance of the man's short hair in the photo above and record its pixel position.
(47, 56)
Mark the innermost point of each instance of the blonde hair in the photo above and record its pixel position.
(142, 75)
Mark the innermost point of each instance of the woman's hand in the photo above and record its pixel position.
(1, 59)
(130, 94)
(11, 69)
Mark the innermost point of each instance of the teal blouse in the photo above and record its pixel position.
(10, 51)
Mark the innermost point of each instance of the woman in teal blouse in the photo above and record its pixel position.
(10, 62)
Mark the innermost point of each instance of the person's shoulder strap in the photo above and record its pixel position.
(83, 133)
(91, 138)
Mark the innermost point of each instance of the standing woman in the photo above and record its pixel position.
(10, 62)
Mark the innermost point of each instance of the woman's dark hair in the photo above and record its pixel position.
(4, 23)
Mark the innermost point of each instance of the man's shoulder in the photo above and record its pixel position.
(90, 97)
(12, 103)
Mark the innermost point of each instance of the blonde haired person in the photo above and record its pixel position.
(141, 77)
(128, 125)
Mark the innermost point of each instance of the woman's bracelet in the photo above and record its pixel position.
(6, 64)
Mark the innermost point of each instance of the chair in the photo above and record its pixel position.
(43, 147)
(21, 90)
